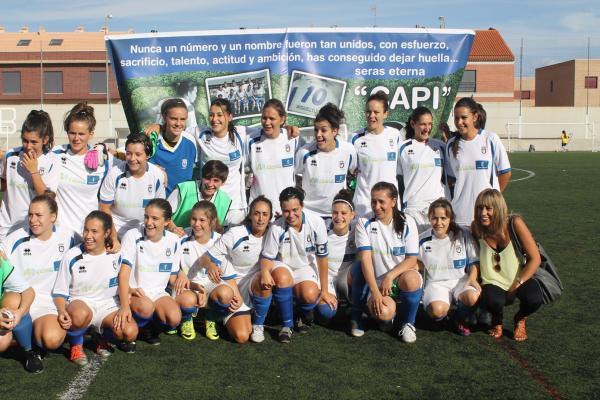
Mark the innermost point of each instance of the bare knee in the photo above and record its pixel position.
(469, 298)
(223, 294)
(80, 314)
(187, 299)
(282, 277)
(11, 300)
(143, 307)
(409, 281)
(307, 292)
(437, 309)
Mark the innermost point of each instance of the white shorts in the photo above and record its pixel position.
(245, 285)
(421, 217)
(300, 274)
(155, 294)
(235, 217)
(445, 291)
(338, 285)
(100, 309)
(208, 285)
(42, 305)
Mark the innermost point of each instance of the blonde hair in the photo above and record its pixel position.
(490, 198)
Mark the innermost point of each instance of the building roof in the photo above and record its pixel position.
(490, 46)
(18, 42)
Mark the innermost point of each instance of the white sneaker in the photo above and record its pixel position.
(408, 333)
(356, 329)
(258, 333)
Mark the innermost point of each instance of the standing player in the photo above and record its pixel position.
(78, 186)
(325, 163)
(476, 160)
(28, 170)
(449, 256)
(377, 149)
(271, 154)
(150, 258)
(86, 287)
(235, 255)
(294, 260)
(128, 187)
(36, 252)
(420, 164)
(388, 245)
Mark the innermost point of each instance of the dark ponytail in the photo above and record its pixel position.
(398, 216)
(225, 106)
(476, 109)
(414, 117)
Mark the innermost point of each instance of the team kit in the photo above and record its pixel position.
(224, 221)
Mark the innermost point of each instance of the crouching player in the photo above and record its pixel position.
(296, 244)
(150, 257)
(450, 259)
(234, 258)
(16, 297)
(87, 279)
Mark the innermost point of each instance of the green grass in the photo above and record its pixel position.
(557, 204)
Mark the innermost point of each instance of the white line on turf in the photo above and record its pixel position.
(83, 380)
(530, 174)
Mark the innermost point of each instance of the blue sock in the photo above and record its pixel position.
(360, 291)
(23, 332)
(285, 302)
(76, 337)
(166, 327)
(187, 313)
(261, 308)
(305, 308)
(407, 310)
(326, 311)
(220, 308)
(141, 321)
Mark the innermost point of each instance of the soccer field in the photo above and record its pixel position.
(555, 192)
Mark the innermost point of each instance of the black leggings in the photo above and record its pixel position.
(493, 299)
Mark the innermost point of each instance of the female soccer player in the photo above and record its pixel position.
(449, 256)
(78, 186)
(503, 275)
(377, 149)
(476, 160)
(128, 187)
(151, 256)
(294, 261)
(28, 170)
(36, 252)
(388, 245)
(175, 149)
(342, 250)
(203, 232)
(420, 164)
(271, 154)
(235, 257)
(88, 279)
(325, 163)
(16, 297)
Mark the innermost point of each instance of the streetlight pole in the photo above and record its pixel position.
(108, 103)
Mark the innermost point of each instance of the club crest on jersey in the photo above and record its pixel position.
(41, 170)
(342, 164)
(287, 148)
(168, 252)
(115, 266)
(391, 142)
(61, 247)
(458, 249)
(483, 150)
(150, 188)
(184, 163)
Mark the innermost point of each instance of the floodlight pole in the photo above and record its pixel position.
(108, 103)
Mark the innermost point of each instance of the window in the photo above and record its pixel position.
(24, 42)
(468, 83)
(525, 94)
(591, 82)
(97, 82)
(53, 82)
(55, 42)
(11, 82)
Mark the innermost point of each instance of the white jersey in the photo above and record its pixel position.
(237, 252)
(152, 263)
(297, 249)
(82, 275)
(78, 187)
(232, 155)
(19, 188)
(191, 251)
(377, 162)
(447, 258)
(477, 167)
(272, 163)
(38, 261)
(342, 252)
(324, 173)
(387, 247)
(129, 195)
(421, 167)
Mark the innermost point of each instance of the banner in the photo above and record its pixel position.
(304, 68)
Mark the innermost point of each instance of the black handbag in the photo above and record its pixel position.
(546, 275)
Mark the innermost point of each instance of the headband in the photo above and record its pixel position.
(345, 202)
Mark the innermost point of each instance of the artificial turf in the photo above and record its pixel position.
(561, 359)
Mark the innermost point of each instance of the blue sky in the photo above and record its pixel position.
(552, 30)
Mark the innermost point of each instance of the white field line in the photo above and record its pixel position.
(79, 385)
(530, 174)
